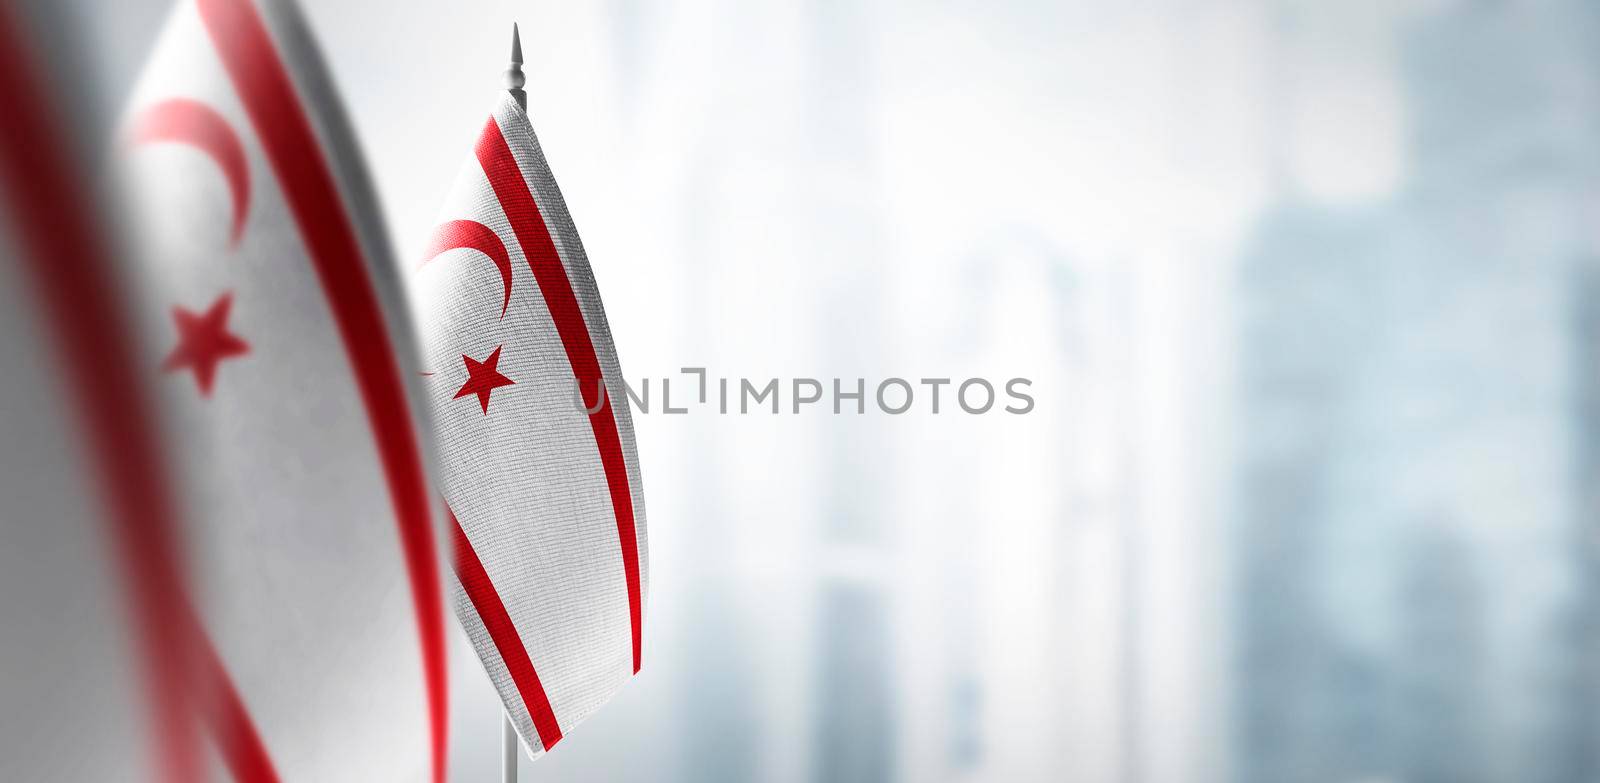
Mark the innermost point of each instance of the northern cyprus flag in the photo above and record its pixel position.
(280, 358)
(545, 504)
(94, 672)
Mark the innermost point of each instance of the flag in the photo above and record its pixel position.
(280, 355)
(545, 507)
(93, 667)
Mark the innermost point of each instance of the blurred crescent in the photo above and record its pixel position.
(472, 235)
(185, 121)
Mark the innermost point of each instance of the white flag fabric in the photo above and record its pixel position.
(544, 493)
(91, 663)
(281, 354)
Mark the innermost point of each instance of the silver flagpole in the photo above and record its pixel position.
(509, 749)
(514, 77)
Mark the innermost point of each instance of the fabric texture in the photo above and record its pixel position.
(551, 560)
(281, 359)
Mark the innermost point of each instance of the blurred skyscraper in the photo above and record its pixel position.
(854, 717)
(1415, 445)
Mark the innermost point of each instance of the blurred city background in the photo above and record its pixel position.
(1309, 292)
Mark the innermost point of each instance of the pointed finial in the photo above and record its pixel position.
(514, 77)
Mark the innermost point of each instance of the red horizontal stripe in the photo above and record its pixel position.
(229, 720)
(486, 600)
(534, 236)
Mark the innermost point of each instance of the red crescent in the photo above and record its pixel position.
(185, 121)
(472, 235)
(344, 269)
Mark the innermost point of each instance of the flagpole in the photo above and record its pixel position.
(514, 79)
(508, 751)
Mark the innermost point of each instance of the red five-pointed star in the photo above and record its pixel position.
(204, 341)
(482, 378)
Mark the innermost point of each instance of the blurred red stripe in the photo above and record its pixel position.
(247, 51)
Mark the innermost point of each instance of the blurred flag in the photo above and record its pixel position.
(94, 668)
(547, 512)
(277, 340)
